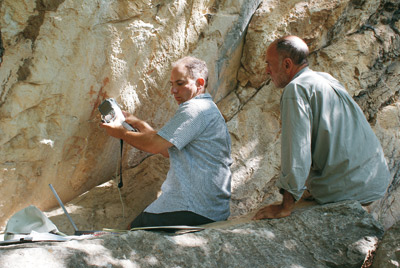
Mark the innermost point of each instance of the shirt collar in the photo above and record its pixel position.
(305, 69)
(203, 96)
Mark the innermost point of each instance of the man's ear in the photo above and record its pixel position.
(200, 83)
(287, 64)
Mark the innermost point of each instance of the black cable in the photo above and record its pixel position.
(120, 184)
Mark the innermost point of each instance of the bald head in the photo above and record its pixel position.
(285, 57)
(292, 47)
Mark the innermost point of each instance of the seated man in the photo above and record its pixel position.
(197, 189)
(328, 147)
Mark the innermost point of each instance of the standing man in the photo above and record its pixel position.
(197, 189)
(328, 147)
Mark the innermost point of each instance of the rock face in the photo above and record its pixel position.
(106, 206)
(61, 58)
(334, 235)
(388, 253)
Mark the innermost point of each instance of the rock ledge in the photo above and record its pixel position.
(333, 235)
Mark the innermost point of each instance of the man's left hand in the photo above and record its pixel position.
(114, 129)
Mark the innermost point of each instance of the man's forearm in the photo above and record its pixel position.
(148, 142)
(145, 140)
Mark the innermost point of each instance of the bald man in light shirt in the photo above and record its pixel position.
(327, 145)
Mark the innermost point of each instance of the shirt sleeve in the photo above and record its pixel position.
(296, 158)
(187, 123)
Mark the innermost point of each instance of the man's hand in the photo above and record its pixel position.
(114, 129)
(117, 130)
(277, 211)
(131, 119)
(135, 122)
(145, 140)
(272, 212)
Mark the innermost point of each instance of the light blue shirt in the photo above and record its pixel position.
(199, 178)
(328, 145)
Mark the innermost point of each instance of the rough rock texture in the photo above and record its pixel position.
(388, 253)
(61, 58)
(388, 127)
(335, 235)
(104, 206)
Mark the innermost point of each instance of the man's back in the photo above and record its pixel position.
(199, 178)
(347, 160)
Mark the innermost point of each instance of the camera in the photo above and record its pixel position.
(110, 112)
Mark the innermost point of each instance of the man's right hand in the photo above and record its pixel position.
(277, 211)
(272, 212)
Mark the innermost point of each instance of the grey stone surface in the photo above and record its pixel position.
(388, 253)
(334, 235)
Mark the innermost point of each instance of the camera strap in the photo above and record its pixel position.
(120, 184)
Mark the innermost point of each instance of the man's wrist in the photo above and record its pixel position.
(288, 201)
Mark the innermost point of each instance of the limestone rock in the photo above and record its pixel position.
(106, 205)
(61, 58)
(388, 252)
(334, 235)
(388, 131)
(256, 157)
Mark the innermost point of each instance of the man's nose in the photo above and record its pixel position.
(174, 90)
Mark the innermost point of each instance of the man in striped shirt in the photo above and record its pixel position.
(197, 189)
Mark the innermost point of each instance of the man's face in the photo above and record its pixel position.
(183, 87)
(275, 68)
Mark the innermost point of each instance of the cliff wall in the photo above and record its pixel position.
(61, 58)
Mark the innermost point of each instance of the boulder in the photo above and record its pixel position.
(388, 252)
(334, 235)
(61, 58)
